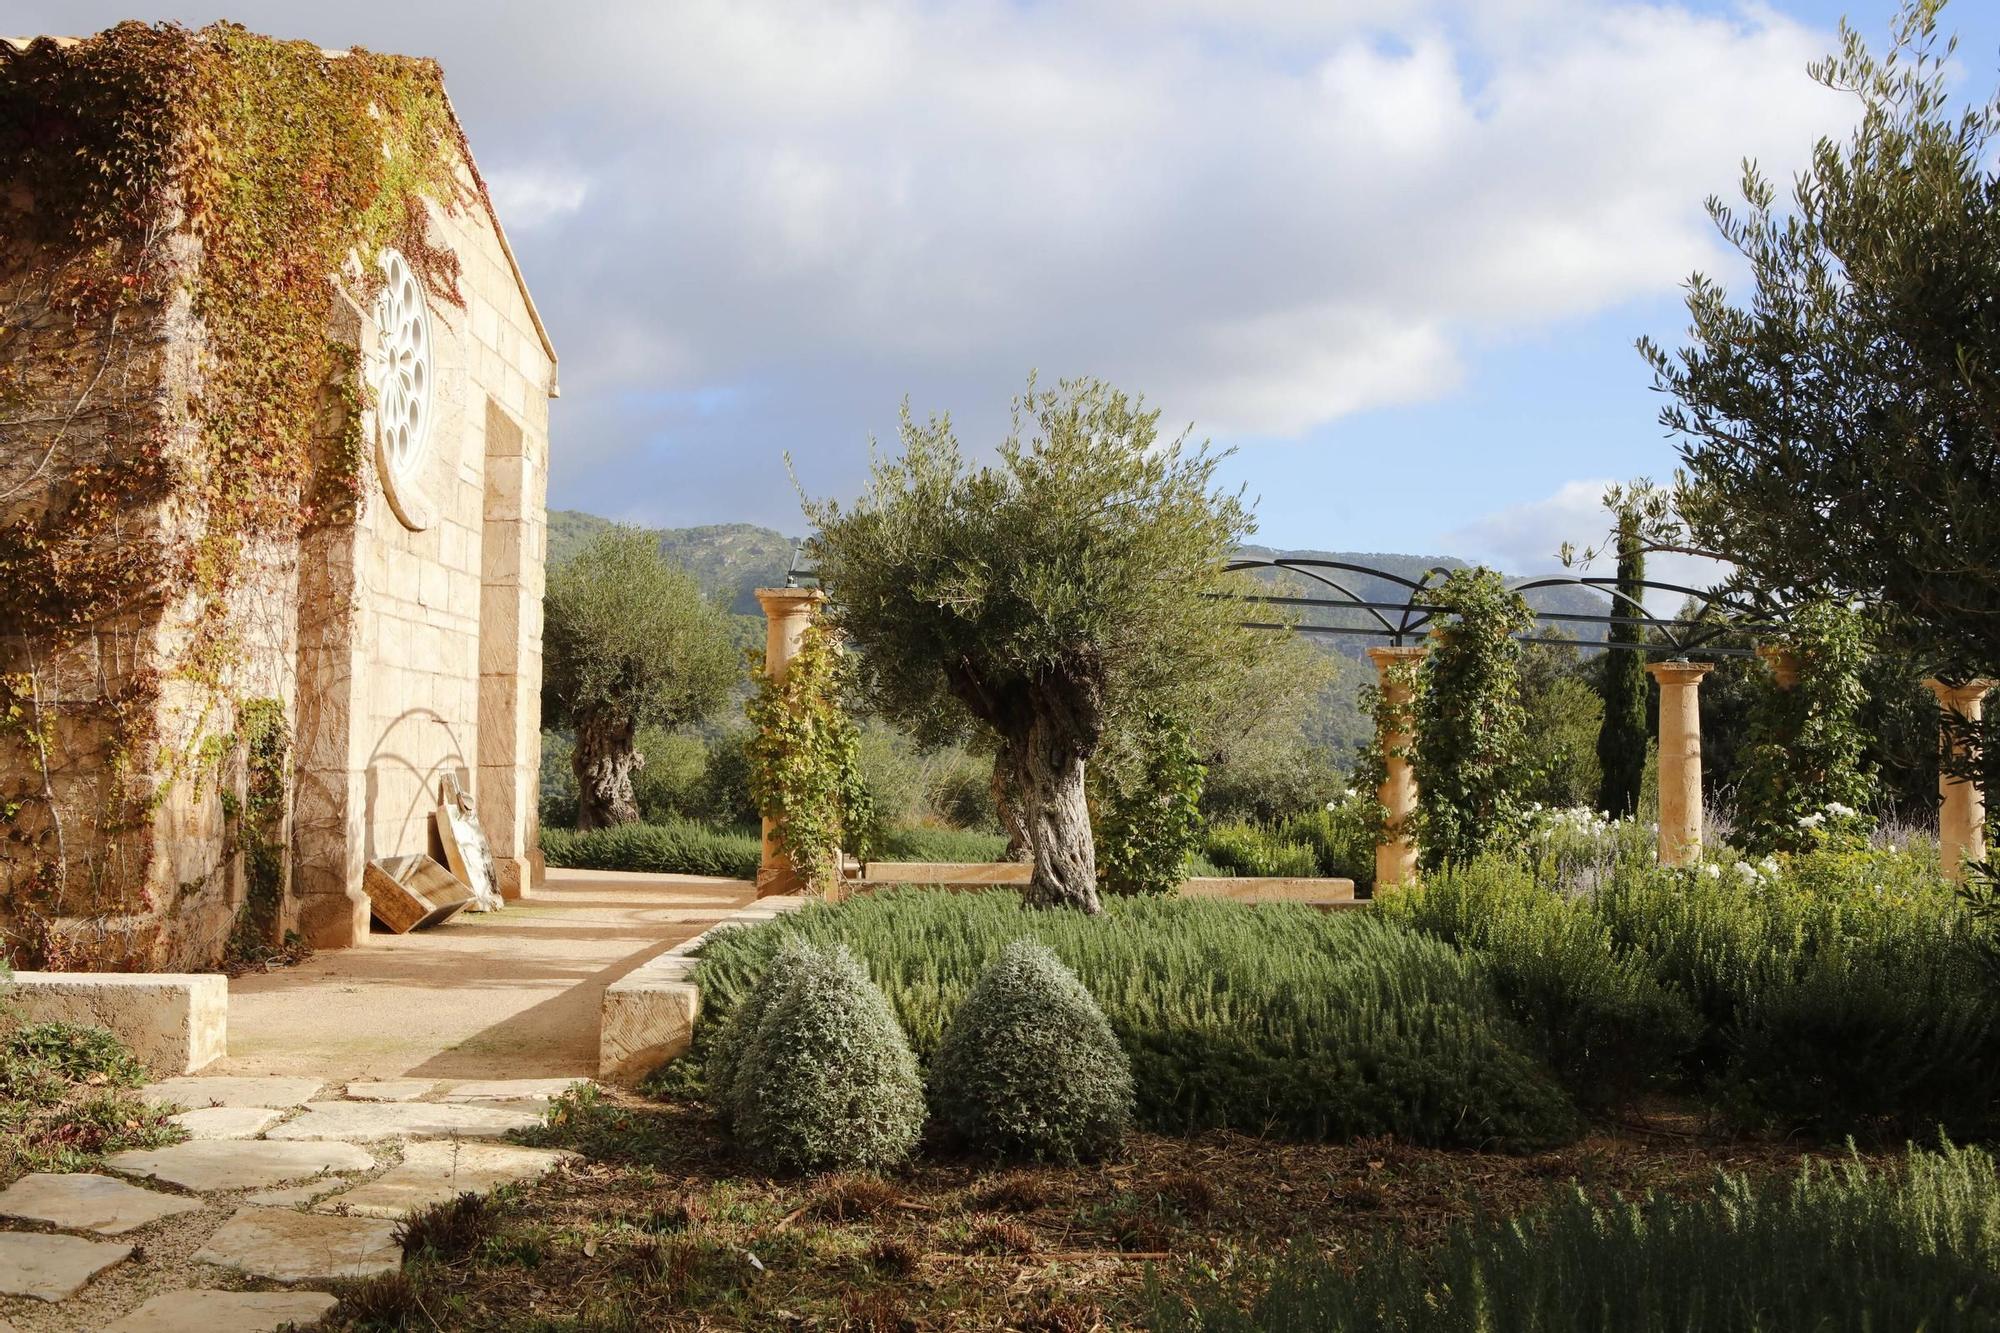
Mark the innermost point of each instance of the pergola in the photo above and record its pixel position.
(1334, 607)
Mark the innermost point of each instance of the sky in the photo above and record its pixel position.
(1395, 253)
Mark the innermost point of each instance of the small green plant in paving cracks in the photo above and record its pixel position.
(66, 1100)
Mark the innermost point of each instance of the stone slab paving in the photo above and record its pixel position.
(53, 1268)
(224, 1312)
(206, 1165)
(512, 1089)
(370, 1122)
(83, 1202)
(223, 1090)
(436, 1171)
(293, 1195)
(288, 1246)
(390, 1089)
(227, 1122)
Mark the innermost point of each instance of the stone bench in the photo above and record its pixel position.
(649, 1013)
(174, 1022)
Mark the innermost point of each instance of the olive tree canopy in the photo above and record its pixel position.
(1042, 595)
(1841, 429)
(628, 641)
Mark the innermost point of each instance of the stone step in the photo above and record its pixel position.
(83, 1202)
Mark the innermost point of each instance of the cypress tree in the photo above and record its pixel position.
(1621, 740)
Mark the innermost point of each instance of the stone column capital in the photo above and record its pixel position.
(783, 603)
(1385, 655)
(1783, 660)
(1679, 673)
(1958, 697)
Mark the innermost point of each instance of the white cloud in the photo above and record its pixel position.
(1267, 214)
(1265, 236)
(1525, 539)
(531, 197)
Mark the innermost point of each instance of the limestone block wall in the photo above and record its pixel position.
(426, 656)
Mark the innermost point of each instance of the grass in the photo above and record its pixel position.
(66, 1100)
(1271, 1019)
(1845, 1245)
(655, 1228)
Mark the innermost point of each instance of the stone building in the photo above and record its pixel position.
(273, 458)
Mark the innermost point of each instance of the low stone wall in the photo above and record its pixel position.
(649, 1014)
(174, 1022)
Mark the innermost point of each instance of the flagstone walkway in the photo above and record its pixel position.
(508, 994)
(359, 1086)
(243, 1234)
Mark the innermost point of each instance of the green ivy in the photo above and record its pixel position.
(1388, 717)
(804, 753)
(1803, 782)
(1471, 730)
(1149, 826)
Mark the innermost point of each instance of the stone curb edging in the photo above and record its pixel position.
(649, 1014)
(173, 1022)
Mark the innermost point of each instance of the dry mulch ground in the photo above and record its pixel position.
(662, 1228)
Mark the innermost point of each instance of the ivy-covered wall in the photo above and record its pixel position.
(189, 227)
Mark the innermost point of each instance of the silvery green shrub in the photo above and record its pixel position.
(724, 1058)
(825, 1080)
(1030, 1066)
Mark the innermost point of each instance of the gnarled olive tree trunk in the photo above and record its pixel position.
(604, 760)
(1048, 729)
(1007, 805)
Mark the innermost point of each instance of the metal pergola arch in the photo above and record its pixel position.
(1721, 614)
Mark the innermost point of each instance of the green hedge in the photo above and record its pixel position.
(1832, 992)
(911, 843)
(1606, 1023)
(1266, 1019)
(1841, 1247)
(677, 847)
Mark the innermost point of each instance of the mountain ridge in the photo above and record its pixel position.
(733, 560)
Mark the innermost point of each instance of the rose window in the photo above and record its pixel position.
(403, 373)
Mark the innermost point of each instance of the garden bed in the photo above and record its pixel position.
(659, 1227)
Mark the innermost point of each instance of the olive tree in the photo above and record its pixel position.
(1042, 596)
(1841, 428)
(628, 641)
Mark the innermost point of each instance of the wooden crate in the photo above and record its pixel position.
(407, 892)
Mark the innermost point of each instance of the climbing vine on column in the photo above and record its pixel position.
(1803, 780)
(1470, 727)
(804, 752)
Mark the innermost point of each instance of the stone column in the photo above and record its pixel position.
(1961, 805)
(1396, 855)
(787, 612)
(1680, 759)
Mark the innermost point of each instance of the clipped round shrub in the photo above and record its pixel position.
(1030, 1066)
(724, 1059)
(827, 1081)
